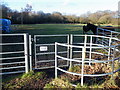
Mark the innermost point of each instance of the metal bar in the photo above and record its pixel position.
(30, 52)
(35, 51)
(67, 59)
(12, 58)
(82, 46)
(68, 49)
(11, 43)
(109, 49)
(44, 44)
(107, 30)
(12, 67)
(90, 54)
(51, 67)
(68, 72)
(45, 67)
(11, 72)
(12, 34)
(113, 62)
(56, 60)
(12, 52)
(51, 35)
(26, 52)
(50, 53)
(90, 75)
(83, 58)
(71, 51)
(45, 61)
(11, 63)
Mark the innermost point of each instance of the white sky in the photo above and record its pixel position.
(76, 7)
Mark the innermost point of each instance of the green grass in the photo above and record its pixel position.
(48, 29)
(25, 81)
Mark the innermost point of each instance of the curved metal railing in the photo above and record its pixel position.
(82, 52)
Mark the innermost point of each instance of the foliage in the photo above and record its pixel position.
(27, 16)
(81, 87)
(26, 81)
(58, 83)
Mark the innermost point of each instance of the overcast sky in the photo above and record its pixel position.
(76, 7)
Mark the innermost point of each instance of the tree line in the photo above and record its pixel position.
(28, 16)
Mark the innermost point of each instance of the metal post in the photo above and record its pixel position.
(109, 48)
(35, 51)
(55, 60)
(26, 52)
(68, 49)
(85, 41)
(90, 55)
(113, 62)
(71, 51)
(30, 52)
(83, 58)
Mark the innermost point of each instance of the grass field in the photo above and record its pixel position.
(49, 29)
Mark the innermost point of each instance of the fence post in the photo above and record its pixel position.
(71, 51)
(26, 52)
(35, 51)
(55, 60)
(83, 58)
(90, 56)
(30, 52)
(113, 62)
(109, 48)
(68, 49)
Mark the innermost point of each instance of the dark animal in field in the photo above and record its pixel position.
(95, 29)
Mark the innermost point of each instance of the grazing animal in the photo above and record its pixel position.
(95, 29)
(5, 25)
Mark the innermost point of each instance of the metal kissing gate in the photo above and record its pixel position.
(19, 54)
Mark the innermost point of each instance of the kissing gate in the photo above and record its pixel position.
(22, 53)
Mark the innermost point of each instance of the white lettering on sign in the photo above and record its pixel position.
(43, 48)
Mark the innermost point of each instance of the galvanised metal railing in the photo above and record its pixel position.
(108, 33)
(44, 50)
(14, 53)
(85, 50)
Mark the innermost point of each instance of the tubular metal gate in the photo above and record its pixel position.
(81, 54)
(14, 53)
(44, 50)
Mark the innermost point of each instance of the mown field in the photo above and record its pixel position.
(50, 29)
